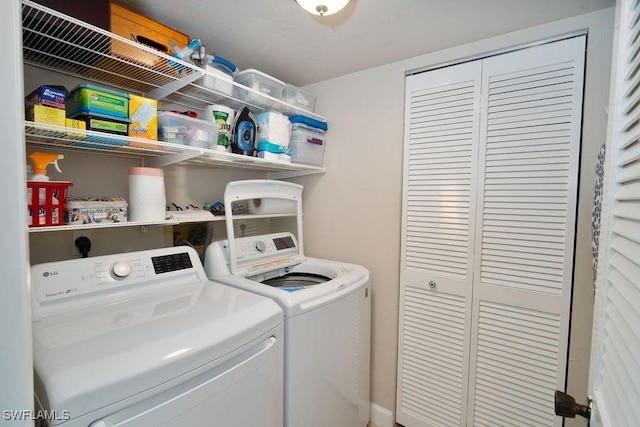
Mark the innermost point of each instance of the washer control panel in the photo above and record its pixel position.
(264, 253)
(270, 246)
(77, 278)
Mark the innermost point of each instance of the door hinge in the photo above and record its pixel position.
(567, 407)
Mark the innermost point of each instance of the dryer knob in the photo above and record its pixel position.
(259, 245)
(121, 270)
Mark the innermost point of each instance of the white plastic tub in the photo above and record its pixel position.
(307, 146)
(300, 98)
(185, 130)
(261, 82)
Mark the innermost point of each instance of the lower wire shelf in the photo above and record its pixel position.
(99, 226)
(156, 153)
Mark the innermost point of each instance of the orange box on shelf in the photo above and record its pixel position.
(143, 30)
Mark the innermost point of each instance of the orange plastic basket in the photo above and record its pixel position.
(46, 202)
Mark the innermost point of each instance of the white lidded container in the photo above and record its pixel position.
(307, 140)
(261, 82)
(300, 98)
(147, 200)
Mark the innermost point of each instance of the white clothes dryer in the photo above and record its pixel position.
(326, 304)
(144, 339)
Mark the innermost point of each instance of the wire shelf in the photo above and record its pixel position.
(61, 43)
(67, 227)
(159, 153)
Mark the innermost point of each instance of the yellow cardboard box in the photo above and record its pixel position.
(76, 124)
(45, 115)
(143, 113)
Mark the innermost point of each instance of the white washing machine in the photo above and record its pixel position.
(145, 339)
(327, 304)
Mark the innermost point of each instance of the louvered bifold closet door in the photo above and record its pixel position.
(441, 135)
(528, 170)
(615, 364)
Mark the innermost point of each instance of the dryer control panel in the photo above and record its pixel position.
(59, 286)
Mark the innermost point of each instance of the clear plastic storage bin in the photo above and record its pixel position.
(261, 82)
(300, 98)
(185, 130)
(306, 145)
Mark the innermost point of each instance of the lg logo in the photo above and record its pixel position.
(49, 273)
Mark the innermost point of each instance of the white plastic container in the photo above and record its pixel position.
(185, 130)
(300, 98)
(261, 82)
(307, 146)
(223, 117)
(147, 200)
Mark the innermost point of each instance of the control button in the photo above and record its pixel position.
(259, 246)
(102, 278)
(138, 270)
(121, 270)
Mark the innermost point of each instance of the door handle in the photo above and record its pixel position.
(566, 406)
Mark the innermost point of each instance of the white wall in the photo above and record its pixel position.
(352, 213)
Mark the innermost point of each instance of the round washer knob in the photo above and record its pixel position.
(259, 245)
(121, 269)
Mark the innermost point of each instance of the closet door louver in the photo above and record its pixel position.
(528, 170)
(441, 133)
(615, 359)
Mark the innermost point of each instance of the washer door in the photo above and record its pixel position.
(296, 280)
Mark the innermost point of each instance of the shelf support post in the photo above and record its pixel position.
(174, 86)
(293, 174)
(169, 159)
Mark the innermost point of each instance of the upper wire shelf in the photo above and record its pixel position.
(55, 41)
(63, 44)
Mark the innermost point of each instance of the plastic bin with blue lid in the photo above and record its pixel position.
(223, 71)
(307, 140)
(305, 122)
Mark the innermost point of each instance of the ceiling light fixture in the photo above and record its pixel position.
(323, 7)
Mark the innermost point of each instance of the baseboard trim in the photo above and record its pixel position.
(381, 417)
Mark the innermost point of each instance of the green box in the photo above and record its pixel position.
(89, 99)
(105, 125)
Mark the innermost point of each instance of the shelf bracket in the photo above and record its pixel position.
(174, 86)
(170, 159)
(293, 174)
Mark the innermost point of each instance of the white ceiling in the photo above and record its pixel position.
(279, 38)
